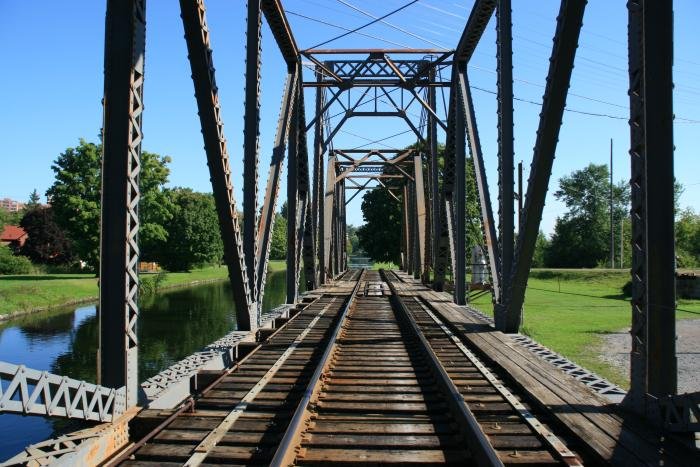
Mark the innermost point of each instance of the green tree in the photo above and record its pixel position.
(75, 198)
(582, 236)
(278, 242)
(353, 240)
(46, 242)
(156, 208)
(380, 236)
(193, 231)
(34, 201)
(541, 245)
(688, 238)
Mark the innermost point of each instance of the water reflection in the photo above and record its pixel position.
(172, 325)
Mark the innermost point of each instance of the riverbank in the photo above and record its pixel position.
(571, 311)
(24, 294)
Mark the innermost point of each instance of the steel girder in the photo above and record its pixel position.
(251, 137)
(206, 93)
(566, 36)
(420, 214)
(267, 217)
(460, 194)
(445, 254)
(476, 24)
(653, 369)
(506, 198)
(487, 223)
(125, 41)
(277, 21)
(299, 232)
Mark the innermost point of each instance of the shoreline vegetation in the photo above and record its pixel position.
(24, 294)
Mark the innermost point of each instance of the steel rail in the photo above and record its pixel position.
(190, 402)
(285, 451)
(549, 438)
(477, 441)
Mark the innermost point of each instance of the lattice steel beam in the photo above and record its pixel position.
(125, 42)
(27, 391)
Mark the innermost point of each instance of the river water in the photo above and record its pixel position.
(172, 325)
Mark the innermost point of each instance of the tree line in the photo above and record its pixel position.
(581, 236)
(178, 229)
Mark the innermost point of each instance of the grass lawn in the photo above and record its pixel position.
(569, 310)
(28, 292)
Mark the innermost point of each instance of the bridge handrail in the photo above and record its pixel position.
(48, 394)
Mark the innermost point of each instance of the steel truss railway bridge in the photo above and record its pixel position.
(370, 367)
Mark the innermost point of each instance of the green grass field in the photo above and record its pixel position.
(569, 311)
(29, 292)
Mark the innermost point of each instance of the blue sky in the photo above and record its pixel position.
(52, 82)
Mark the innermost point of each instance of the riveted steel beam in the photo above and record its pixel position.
(487, 223)
(125, 42)
(282, 32)
(506, 197)
(653, 356)
(476, 24)
(251, 147)
(561, 65)
(206, 94)
(267, 216)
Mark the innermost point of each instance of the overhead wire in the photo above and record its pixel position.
(398, 28)
(402, 7)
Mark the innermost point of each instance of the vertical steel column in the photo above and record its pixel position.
(318, 195)
(460, 206)
(307, 232)
(206, 93)
(267, 217)
(445, 254)
(520, 206)
(328, 209)
(434, 176)
(506, 205)
(125, 41)
(487, 222)
(561, 65)
(653, 357)
(251, 135)
(421, 221)
(408, 265)
(292, 205)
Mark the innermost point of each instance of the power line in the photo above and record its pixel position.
(365, 25)
(350, 5)
(316, 20)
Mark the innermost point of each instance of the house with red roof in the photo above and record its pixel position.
(14, 236)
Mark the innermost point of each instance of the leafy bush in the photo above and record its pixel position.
(12, 264)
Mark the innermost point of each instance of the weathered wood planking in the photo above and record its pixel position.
(621, 439)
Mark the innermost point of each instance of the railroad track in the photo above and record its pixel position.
(370, 378)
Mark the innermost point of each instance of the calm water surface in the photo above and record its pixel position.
(172, 325)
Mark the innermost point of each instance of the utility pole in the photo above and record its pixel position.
(622, 242)
(612, 220)
(520, 192)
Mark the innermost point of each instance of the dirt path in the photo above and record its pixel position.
(616, 351)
